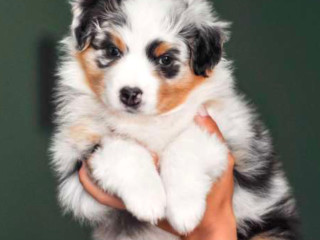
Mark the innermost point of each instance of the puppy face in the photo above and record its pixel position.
(146, 56)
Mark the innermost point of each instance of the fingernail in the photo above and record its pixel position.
(203, 111)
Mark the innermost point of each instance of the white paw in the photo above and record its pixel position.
(147, 202)
(127, 169)
(185, 215)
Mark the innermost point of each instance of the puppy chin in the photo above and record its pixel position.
(131, 113)
(143, 111)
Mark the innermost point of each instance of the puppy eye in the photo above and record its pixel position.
(113, 52)
(165, 60)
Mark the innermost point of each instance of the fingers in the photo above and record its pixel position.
(98, 194)
(164, 225)
(204, 120)
(222, 191)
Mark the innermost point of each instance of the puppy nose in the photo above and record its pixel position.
(131, 97)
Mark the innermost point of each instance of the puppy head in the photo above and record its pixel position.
(146, 56)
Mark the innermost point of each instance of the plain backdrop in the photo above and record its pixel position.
(275, 46)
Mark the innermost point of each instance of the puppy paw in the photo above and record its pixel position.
(186, 214)
(146, 202)
(127, 170)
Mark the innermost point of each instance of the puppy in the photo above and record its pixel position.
(133, 76)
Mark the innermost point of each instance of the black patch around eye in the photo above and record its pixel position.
(107, 45)
(102, 44)
(169, 71)
(109, 49)
(151, 48)
(107, 59)
(112, 52)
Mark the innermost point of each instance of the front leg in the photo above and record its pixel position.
(189, 167)
(71, 144)
(126, 169)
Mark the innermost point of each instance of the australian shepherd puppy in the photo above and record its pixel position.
(133, 76)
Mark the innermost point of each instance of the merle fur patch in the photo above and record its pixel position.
(96, 11)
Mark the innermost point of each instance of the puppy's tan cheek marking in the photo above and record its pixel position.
(174, 93)
(94, 75)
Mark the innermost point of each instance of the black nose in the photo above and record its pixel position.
(131, 97)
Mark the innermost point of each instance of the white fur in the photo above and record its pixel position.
(74, 198)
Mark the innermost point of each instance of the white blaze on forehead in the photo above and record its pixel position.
(169, 14)
(142, 13)
(149, 20)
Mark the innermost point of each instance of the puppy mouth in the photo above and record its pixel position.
(133, 110)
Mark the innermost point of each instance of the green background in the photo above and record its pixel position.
(275, 45)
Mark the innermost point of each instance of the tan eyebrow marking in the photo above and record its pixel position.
(119, 42)
(162, 48)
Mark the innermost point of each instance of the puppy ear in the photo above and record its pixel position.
(85, 15)
(205, 35)
(206, 50)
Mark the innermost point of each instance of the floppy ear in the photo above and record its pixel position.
(206, 50)
(206, 46)
(85, 15)
(205, 35)
(88, 13)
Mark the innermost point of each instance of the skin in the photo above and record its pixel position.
(218, 221)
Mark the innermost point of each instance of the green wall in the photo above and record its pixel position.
(275, 45)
